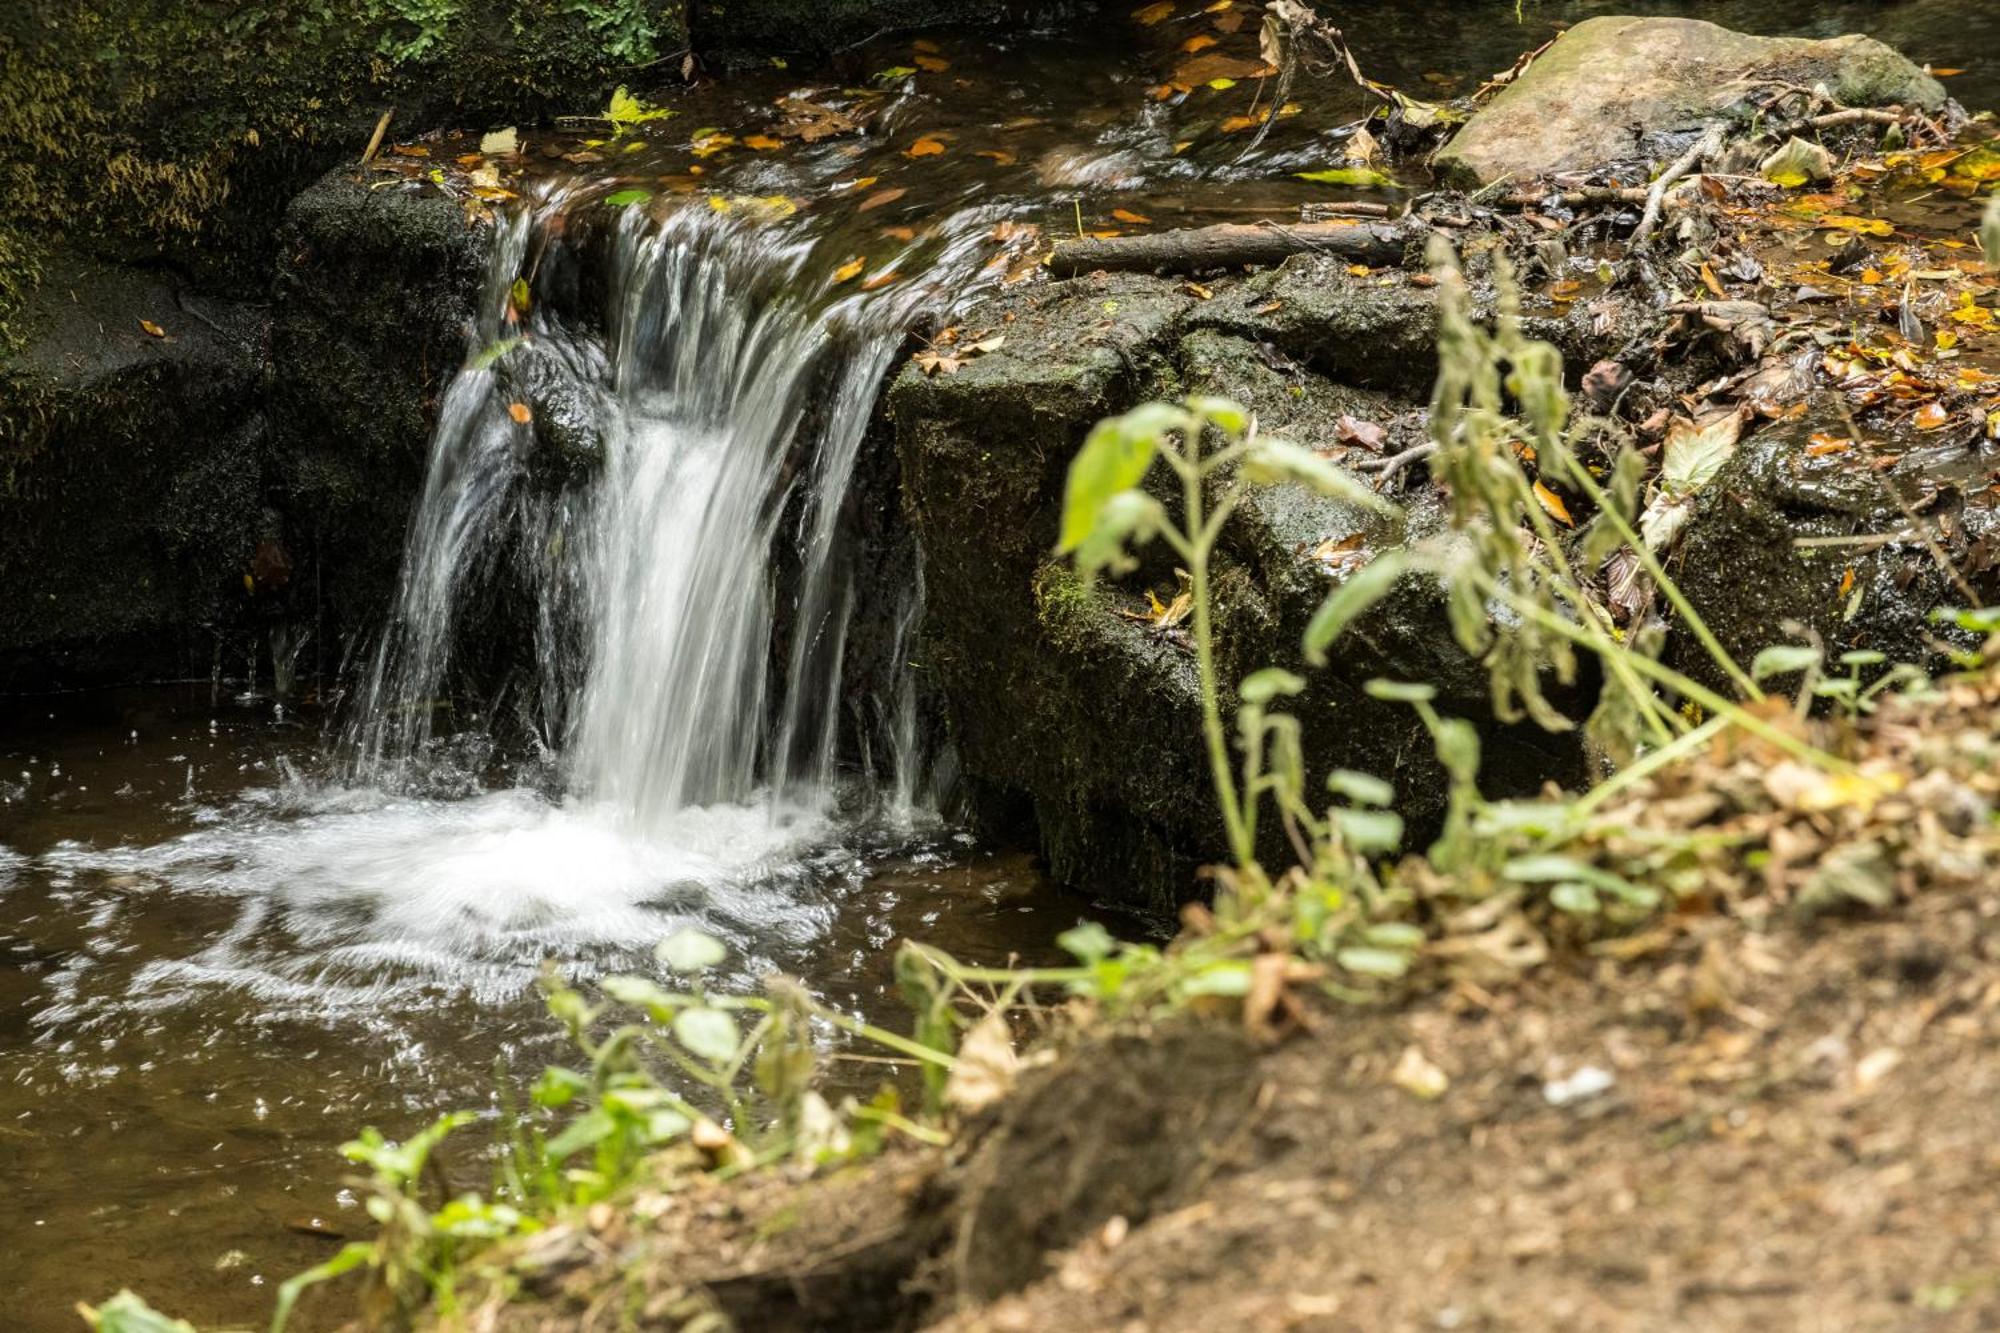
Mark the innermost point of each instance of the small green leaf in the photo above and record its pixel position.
(1224, 413)
(1269, 462)
(1114, 458)
(1782, 659)
(1370, 832)
(1385, 963)
(1576, 899)
(1351, 600)
(893, 73)
(126, 1313)
(1126, 521)
(1360, 788)
(558, 1087)
(1400, 692)
(1087, 943)
(620, 198)
(1261, 687)
(586, 1131)
(1225, 978)
(690, 951)
(708, 1033)
(1366, 178)
(1398, 935)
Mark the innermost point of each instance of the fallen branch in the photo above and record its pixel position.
(1709, 144)
(1228, 244)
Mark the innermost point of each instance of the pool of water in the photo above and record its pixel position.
(214, 968)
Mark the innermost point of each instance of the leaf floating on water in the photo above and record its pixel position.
(894, 72)
(935, 64)
(763, 143)
(1932, 416)
(851, 269)
(620, 198)
(501, 143)
(925, 147)
(1862, 226)
(1553, 503)
(1195, 45)
(152, 329)
(1237, 124)
(626, 110)
(520, 413)
(877, 281)
(1366, 178)
(1127, 215)
(1154, 14)
(999, 155)
(518, 295)
(881, 197)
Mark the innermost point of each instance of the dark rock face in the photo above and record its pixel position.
(1085, 722)
(1620, 88)
(131, 481)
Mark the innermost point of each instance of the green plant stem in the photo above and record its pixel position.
(1242, 835)
(1683, 608)
(1647, 764)
(1673, 679)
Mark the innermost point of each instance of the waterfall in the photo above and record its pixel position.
(730, 390)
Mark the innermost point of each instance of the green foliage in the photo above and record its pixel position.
(420, 29)
(126, 1313)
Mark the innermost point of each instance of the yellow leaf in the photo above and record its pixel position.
(1932, 416)
(150, 327)
(1864, 226)
(1236, 124)
(1127, 215)
(850, 270)
(924, 147)
(1554, 505)
(1156, 13)
(1359, 270)
(763, 143)
(1222, 85)
(1200, 43)
(935, 64)
(520, 413)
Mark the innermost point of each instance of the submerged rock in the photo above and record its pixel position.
(1618, 89)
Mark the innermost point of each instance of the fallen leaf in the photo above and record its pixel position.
(1862, 226)
(935, 64)
(1197, 43)
(153, 329)
(881, 197)
(876, 281)
(1932, 416)
(1154, 14)
(500, 143)
(1237, 124)
(850, 270)
(924, 147)
(999, 155)
(1127, 215)
(986, 1066)
(520, 413)
(1554, 505)
(763, 143)
(1368, 434)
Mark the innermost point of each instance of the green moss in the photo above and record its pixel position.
(154, 128)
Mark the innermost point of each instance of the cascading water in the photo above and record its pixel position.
(731, 396)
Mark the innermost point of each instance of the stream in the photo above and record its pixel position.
(238, 926)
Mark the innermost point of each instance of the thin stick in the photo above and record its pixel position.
(1710, 142)
(375, 139)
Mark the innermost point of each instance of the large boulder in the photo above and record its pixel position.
(1624, 89)
(1075, 720)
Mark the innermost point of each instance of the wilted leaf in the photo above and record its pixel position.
(151, 329)
(520, 413)
(986, 1067)
(1154, 14)
(925, 147)
(500, 143)
(851, 269)
(881, 197)
(1127, 215)
(1367, 434)
(1796, 163)
(1694, 454)
(762, 143)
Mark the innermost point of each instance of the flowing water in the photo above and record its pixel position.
(648, 665)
